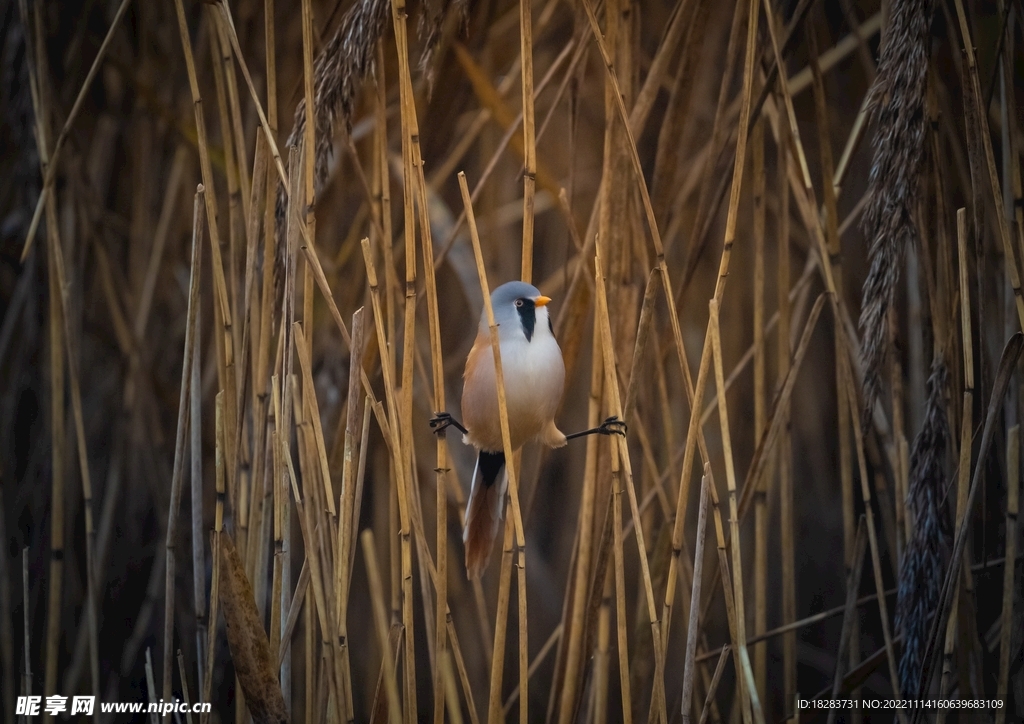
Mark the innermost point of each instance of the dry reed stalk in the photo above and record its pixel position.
(160, 235)
(719, 135)
(1012, 268)
(709, 702)
(316, 565)
(206, 686)
(806, 203)
(58, 439)
(490, 98)
(966, 433)
(816, 618)
(404, 461)
(416, 183)
(309, 196)
(294, 608)
(694, 621)
(398, 470)
(514, 522)
(872, 534)
(239, 143)
(188, 356)
(184, 687)
(451, 694)
(151, 685)
(380, 708)
(223, 308)
(51, 157)
(615, 405)
(229, 29)
(854, 41)
(250, 650)
(382, 202)
(264, 203)
(249, 346)
(601, 671)
(1009, 568)
(312, 410)
(529, 148)
(262, 341)
(63, 340)
(761, 496)
(730, 603)
(554, 638)
(622, 641)
(849, 610)
(278, 585)
(777, 419)
(195, 426)
(805, 198)
(567, 680)
(325, 289)
(311, 663)
(798, 289)
(348, 517)
(452, 160)
(220, 54)
(381, 625)
(26, 671)
(694, 433)
(263, 322)
(751, 697)
(832, 236)
(460, 665)
(796, 20)
(693, 16)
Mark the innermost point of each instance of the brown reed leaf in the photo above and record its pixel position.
(897, 96)
(247, 641)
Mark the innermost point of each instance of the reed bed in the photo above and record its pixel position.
(247, 247)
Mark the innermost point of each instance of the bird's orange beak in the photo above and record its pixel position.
(541, 300)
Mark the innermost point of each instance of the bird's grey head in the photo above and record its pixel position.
(518, 308)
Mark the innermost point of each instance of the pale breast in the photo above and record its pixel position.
(534, 379)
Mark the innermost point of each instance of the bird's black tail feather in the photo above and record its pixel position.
(483, 512)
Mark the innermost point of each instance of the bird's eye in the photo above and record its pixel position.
(519, 302)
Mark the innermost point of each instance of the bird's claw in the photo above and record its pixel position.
(442, 421)
(613, 426)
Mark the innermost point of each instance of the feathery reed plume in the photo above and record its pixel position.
(897, 96)
(922, 567)
(337, 73)
(431, 27)
(340, 68)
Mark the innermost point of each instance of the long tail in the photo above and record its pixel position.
(483, 512)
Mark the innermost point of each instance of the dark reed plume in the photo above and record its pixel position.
(430, 29)
(897, 96)
(922, 567)
(338, 71)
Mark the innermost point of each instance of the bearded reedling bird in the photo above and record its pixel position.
(534, 376)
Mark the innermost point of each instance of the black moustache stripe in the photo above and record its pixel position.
(528, 317)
